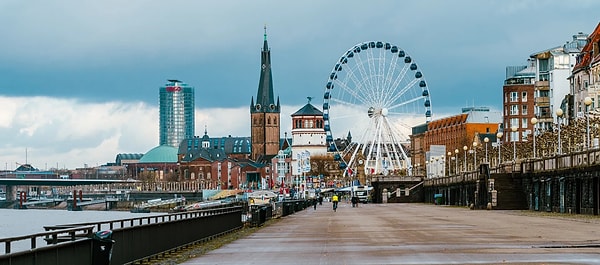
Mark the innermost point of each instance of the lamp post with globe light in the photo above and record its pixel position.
(559, 113)
(437, 165)
(534, 122)
(465, 160)
(474, 155)
(486, 140)
(498, 141)
(449, 162)
(456, 152)
(432, 167)
(512, 138)
(587, 101)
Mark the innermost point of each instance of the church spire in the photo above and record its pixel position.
(265, 46)
(265, 100)
(265, 112)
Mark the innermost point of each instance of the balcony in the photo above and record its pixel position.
(594, 87)
(542, 101)
(542, 85)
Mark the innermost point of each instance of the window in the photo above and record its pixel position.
(514, 122)
(514, 96)
(543, 67)
(524, 123)
(524, 96)
(524, 110)
(308, 124)
(514, 109)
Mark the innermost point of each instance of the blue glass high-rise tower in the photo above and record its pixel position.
(176, 113)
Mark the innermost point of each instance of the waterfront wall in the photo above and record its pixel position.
(137, 240)
(567, 183)
(134, 238)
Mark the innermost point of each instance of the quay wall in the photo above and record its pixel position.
(137, 240)
(564, 184)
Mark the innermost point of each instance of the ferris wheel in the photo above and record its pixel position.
(374, 94)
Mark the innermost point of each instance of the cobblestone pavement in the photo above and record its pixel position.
(415, 234)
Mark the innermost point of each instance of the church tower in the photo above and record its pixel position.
(265, 112)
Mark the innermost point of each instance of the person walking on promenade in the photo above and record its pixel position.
(335, 201)
(314, 203)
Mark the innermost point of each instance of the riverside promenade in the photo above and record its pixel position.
(415, 234)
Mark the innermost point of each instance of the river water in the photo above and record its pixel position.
(24, 222)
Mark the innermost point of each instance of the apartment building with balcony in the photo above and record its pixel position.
(552, 70)
(519, 101)
(538, 89)
(585, 79)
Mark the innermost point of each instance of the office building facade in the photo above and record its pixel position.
(177, 119)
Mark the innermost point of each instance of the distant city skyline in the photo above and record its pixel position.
(79, 87)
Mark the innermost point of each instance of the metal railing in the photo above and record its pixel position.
(53, 237)
(135, 239)
(530, 165)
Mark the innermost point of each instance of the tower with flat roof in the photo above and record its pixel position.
(176, 114)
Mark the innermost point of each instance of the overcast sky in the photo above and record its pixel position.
(79, 80)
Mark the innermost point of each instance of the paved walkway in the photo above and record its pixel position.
(414, 234)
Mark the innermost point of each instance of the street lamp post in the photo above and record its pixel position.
(449, 162)
(486, 140)
(534, 122)
(514, 130)
(456, 152)
(587, 101)
(437, 164)
(474, 155)
(465, 160)
(498, 141)
(559, 113)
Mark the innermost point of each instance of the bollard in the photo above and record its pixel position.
(102, 247)
(74, 199)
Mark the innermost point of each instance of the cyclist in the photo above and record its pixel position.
(335, 199)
